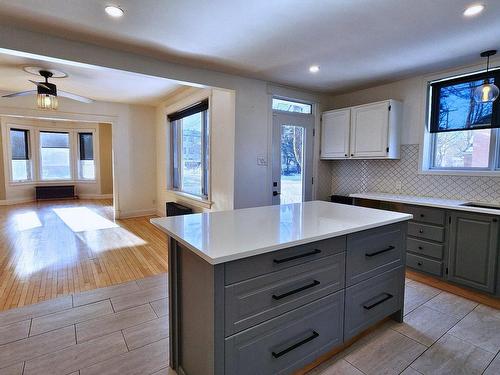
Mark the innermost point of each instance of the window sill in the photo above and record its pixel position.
(192, 199)
(449, 172)
(51, 182)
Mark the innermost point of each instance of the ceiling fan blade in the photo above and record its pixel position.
(40, 84)
(22, 93)
(76, 97)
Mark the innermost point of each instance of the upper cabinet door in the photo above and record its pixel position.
(370, 130)
(335, 130)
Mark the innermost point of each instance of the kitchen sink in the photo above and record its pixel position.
(481, 205)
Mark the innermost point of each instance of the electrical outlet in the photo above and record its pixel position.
(261, 160)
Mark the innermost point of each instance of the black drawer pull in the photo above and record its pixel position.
(379, 251)
(420, 248)
(422, 215)
(387, 296)
(280, 296)
(314, 252)
(419, 263)
(296, 345)
(420, 231)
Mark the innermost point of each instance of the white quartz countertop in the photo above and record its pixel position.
(427, 201)
(223, 236)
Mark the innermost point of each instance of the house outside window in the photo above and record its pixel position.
(189, 133)
(464, 133)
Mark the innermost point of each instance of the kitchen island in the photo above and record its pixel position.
(268, 290)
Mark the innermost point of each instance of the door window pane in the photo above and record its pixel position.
(292, 156)
(54, 156)
(462, 149)
(290, 106)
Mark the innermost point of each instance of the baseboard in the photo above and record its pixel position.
(136, 213)
(9, 202)
(95, 196)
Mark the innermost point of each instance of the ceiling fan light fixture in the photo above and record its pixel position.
(487, 92)
(47, 101)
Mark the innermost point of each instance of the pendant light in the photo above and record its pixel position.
(487, 92)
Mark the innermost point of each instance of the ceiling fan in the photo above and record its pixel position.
(47, 92)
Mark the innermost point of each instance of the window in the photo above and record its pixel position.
(189, 132)
(20, 155)
(464, 133)
(86, 167)
(55, 161)
(290, 106)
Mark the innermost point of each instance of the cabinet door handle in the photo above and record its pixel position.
(379, 251)
(386, 296)
(296, 345)
(311, 285)
(314, 252)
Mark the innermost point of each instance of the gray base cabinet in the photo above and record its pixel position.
(458, 246)
(275, 313)
(473, 252)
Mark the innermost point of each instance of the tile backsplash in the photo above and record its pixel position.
(402, 177)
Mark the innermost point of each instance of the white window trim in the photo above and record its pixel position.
(425, 149)
(35, 151)
(177, 106)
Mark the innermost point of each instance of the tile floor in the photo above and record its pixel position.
(122, 330)
(442, 334)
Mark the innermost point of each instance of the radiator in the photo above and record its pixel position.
(55, 192)
(175, 209)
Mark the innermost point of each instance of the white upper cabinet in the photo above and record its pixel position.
(335, 134)
(369, 131)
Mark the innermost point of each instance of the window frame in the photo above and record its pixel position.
(71, 156)
(432, 115)
(175, 168)
(291, 101)
(28, 141)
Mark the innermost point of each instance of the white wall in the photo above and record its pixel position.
(134, 159)
(222, 124)
(252, 183)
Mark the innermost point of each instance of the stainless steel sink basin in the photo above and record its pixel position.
(481, 205)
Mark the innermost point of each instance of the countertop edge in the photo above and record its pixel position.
(264, 250)
(419, 202)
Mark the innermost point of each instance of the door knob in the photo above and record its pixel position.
(275, 193)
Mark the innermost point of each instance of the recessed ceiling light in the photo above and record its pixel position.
(314, 68)
(114, 11)
(473, 10)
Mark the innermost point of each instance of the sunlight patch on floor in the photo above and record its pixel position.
(26, 221)
(81, 219)
(111, 239)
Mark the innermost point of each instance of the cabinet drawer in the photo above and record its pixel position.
(373, 252)
(426, 214)
(253, 301)
(423, 264)
(428, 232)
(243, 269)
(426, 248)
(372, 300)
(288, 342)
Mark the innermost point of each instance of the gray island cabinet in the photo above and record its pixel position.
(268, 290)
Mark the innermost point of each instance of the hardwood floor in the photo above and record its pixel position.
(54, 248)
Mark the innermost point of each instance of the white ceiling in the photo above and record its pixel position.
(100, 84)
(356, 42)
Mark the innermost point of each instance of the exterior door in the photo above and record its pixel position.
(292, 157)
(473, 250)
